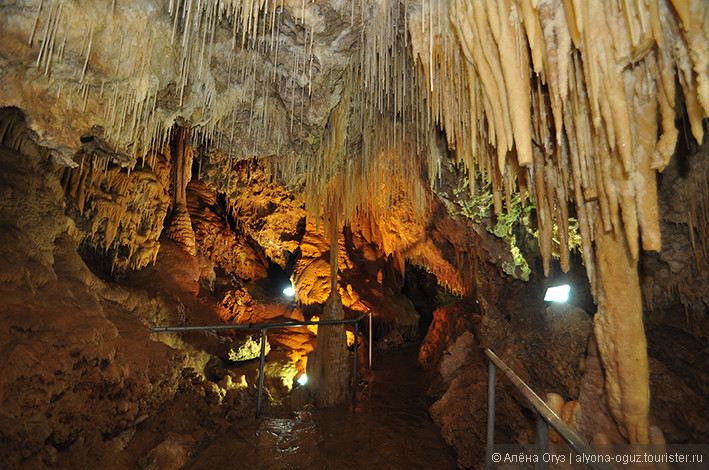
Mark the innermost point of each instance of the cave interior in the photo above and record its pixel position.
(438, 163)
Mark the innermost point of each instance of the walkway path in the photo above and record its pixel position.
(390, 429)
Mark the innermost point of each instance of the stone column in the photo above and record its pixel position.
(621, 335)
(328, 371)
(179, 226)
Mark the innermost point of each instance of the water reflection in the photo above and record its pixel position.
(389, 429)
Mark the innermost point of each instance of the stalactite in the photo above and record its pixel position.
(558, 99)
(105, 196)
(578, 52)
(608, 70)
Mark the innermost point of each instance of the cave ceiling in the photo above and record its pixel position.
(569, 104)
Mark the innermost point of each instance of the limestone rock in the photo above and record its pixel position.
(451, 353)
(328, 371)
(119, 214)
(235, 253)
(103, 376)
(179, 229)
(171, 454)
(247, 350)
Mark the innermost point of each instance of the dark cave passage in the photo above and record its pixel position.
(390, 428)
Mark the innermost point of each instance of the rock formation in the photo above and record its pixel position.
(328, 363)
(178, 160)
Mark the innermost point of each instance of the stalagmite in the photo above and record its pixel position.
(179, 228)
(328, 373)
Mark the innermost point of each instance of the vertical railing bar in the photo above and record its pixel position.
(569, 435)
(354, 366)
(489, 446)
(370, 339)
(262, 365)
(542, 443)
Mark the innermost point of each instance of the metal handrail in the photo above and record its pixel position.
(292, 324)
(545, 417)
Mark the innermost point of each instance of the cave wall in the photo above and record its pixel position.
(675, 285)
(546, 345)
(554, 349)
(119, 214)
(267, 219)
(79, 367)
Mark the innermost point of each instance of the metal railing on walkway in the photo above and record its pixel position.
(545, 418)
(266, 326)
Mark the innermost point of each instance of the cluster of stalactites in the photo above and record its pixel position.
(380, 132)
(569, 95)
(156, 46)
(122, 211)
(560, 99)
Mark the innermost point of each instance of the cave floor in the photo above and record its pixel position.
(390, 428)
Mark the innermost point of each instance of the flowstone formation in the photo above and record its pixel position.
(69, 340)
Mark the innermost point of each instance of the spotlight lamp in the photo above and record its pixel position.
(558, 293)
(289, 291)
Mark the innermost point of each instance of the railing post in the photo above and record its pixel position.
(565, 431)
(354, 366)
(371, 314)
(542, 443)
(489, 447)
(264, 327)
(260, 373)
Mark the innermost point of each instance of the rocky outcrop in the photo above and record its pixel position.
(673, 284)
(84, 382)
(263, 210)
(449, 323)
(78, 364)
(546, 347)
(234, 253)
(118, 214)
(133, 71)
(675, 287)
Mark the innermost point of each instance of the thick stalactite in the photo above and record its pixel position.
(621, 337)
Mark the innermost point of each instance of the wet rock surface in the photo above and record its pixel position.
(84, 382)
(390, 428)
(78, 363)
(113, 391)
(675, 285)
(545, 345)
(233, 253)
